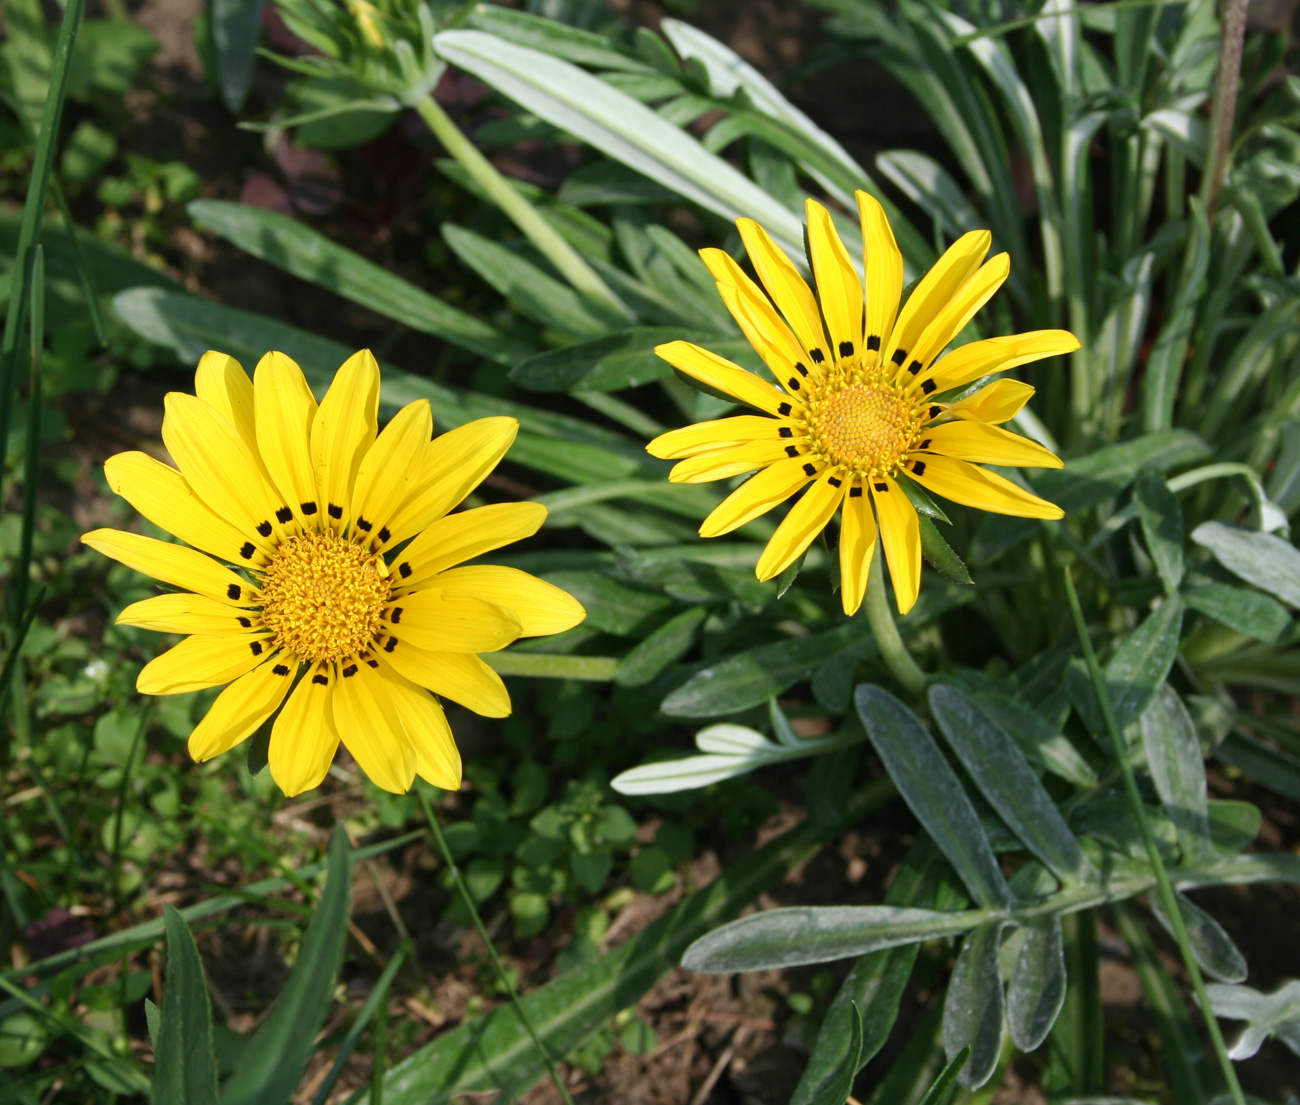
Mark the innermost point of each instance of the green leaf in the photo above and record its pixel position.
(298, 249)
(618, 126)
(1213, 948)
(938, 1093)
(1164, 366)
(110, 52)
(623, 359)
(1275, 1014)
(184, 1068)
(612, 607)
(973, 1006)
(938, 553)
(236, 27)
(651, 871)
(1162, 526)
(658, 650)
(931, 788)
(591, 869)
(1036, 993)
(1177, 768)
(544, 665)
(1012, 788)
(1041, 741)
(1275, 769)
(1265, 561)
(275, 1057)
(1248, 612)
(494, 1053)
(838, 1085)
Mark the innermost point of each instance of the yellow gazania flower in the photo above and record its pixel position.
(342, 570)
(854, 408)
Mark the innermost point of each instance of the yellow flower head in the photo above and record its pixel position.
(329, 590)
(856, 407)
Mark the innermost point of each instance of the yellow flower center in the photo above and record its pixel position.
(323, 596)
(862, 422)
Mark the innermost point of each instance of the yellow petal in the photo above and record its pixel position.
(804, 521)
(760, 322)
(344, 428)
(160, 493)
(984, 444)
(437, 759)
(900, 533)
(935, 291)
(240, 709)
(857, 547)
(460, 676)
(449, 623)
(285, 409)
(390, 469)
(789, 291)
(454, 464)
(203, 661)
(982, 358)
(541, 607)
(221, 382)
(303, 739)
(883, 264)
(838, 286)
(174, 564)
(757, 495)
(219, 467)
(998, 402)
(958, 311)
(186, 613)
(369, 727)
(463, 536)
(707, 436)
(721, 375)
(971, 486)
(720, 464)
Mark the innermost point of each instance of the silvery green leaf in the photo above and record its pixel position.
(1178, 770)
(1039, 739)
(1212, 947)
(1181, 129)
(1266, 1015)
(928, 185)
(619, 127)
(819, 934)
(973, 1007)
(931, 788)
(1011, 786)
(1248, 612)
(1268, 562)
(1162, 528)
(1037, 990)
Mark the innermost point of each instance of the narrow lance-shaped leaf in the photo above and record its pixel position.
(973, 1007)
(1010, 784)
(930, 787)
(1213, 948)
(1268, 562)
(1177, 768)
(1162, 527)
(184, 1067)
(1038, 984)
(836, 1089)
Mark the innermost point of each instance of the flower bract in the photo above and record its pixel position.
(863, 400)
(324, 579)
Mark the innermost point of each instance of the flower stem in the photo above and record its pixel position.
(432, 818)
(879, 617)
(1166, 888)
(522, 213)
(1224, 105)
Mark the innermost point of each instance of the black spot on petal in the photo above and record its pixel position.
(855, 492)
(404, 569)
(280, 669)
(320, 680)
(914, 367)
(817, 355)
(390, 644)
(373, 663)
(247, 551)
(784, 408)
(881, 486)
(396, 615)
(834, 481)
(233, 592)
(284, 515)
(873, 343)
(264, 528)
(335, 511)
(384, 535)
(365, 526)
(846, 349)
(919, 468)
(785, 431)
(925, 444)
(792, 450)
(308, 508)
(794, 383)
(900, 355)
(256, 646)
(801, 368)
(928, 386)
(935, 411)
(244, 622)
(810, 469)
(349, 671)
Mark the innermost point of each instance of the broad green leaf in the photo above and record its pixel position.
(1213, 948)
(493, 1053)
(619, 127)
(1248, 612)
(1011, 786)
(1036, 992)
(1267, 562)
(931, 788)
(801, 935)
(1162, 527)
(184, 1066)
(839, 1084)
(236, 26)
(650, 657)
(624, 359)
(1177, 768)
(973, 1006)
(275, 1057)
(304, 252)
(1041, 741)
(1275, 1014)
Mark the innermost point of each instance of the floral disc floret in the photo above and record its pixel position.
(861, 422)
(323, 596)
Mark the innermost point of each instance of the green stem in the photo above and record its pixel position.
(1166, 888)
(522, 213)
(491, 947)
(885, 630)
